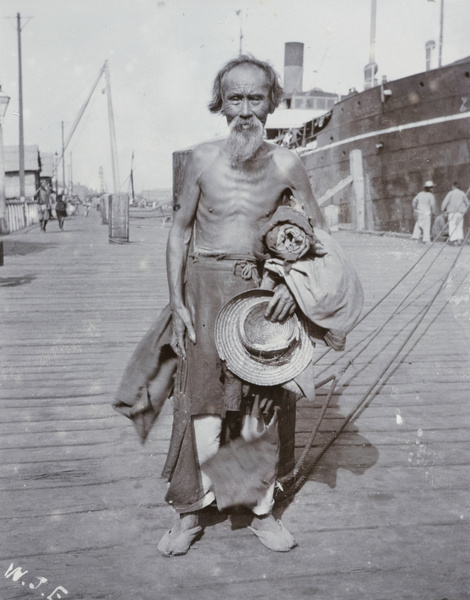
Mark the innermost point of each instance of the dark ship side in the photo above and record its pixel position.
(370, 154)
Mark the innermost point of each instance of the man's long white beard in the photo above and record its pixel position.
(242, 144)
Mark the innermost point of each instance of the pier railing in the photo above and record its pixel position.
(21, 214)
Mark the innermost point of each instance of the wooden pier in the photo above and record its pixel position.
(384, 514)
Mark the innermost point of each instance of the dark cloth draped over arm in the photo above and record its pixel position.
(149, 376)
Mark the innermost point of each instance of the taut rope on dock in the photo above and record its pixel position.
(302, 469)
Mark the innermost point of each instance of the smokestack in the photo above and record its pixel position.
(429, 48)
(293, 68)
(371, 67)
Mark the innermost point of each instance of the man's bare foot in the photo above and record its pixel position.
(178, 540)
(272, 533)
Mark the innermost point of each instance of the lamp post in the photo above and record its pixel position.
(4, 100)
(56, 167)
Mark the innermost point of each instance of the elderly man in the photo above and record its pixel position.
(232, 191)
(231, 188)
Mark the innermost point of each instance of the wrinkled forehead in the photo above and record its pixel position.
(245, 77)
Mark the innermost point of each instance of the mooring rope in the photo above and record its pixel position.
(390, 291)
(335, 379)
(397, 309)
(393, 288)
(413, 346)
(299, 468)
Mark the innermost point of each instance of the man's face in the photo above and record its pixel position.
(246, 94)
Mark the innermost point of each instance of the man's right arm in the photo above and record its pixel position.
(177, 251)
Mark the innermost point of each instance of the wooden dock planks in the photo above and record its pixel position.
(384, 514)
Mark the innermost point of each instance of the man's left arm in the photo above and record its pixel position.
(282, 304)
(299, 183)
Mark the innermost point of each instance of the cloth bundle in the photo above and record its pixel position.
(316, 271)
(288, 236)
(287, 241)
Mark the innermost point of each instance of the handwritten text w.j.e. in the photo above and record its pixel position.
(17, 574)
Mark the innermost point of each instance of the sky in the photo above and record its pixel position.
(164, 54)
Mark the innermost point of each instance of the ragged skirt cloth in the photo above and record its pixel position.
(201, 382)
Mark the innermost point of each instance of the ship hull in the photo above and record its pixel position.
(419, 129)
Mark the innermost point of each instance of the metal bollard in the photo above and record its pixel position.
(1, 254)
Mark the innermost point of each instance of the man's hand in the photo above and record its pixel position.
(318, 248)
(182, 322)
(255, 421)
(282, 304)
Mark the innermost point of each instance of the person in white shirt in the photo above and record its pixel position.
(455, 204)
(424, 206)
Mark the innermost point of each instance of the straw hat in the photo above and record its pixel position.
(256, 349)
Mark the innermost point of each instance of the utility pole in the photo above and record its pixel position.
(20, 110)
(4, 100)
(71, 176)
(112, 132)
(102, 182)
(56, 164)
(132, 177)
(118, 216)
(63, 158)
(239, 13)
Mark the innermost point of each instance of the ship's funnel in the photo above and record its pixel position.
(429, 48)
(293, 68)
(370, 71)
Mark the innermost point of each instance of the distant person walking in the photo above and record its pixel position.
(61, 210)
(455, 205)
(424, 206)
(52, 202)
(43, 205)
(71, 207)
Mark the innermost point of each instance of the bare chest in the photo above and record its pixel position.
(253, 193)
(234, 205)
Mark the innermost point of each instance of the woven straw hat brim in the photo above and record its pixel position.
(244, 364)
